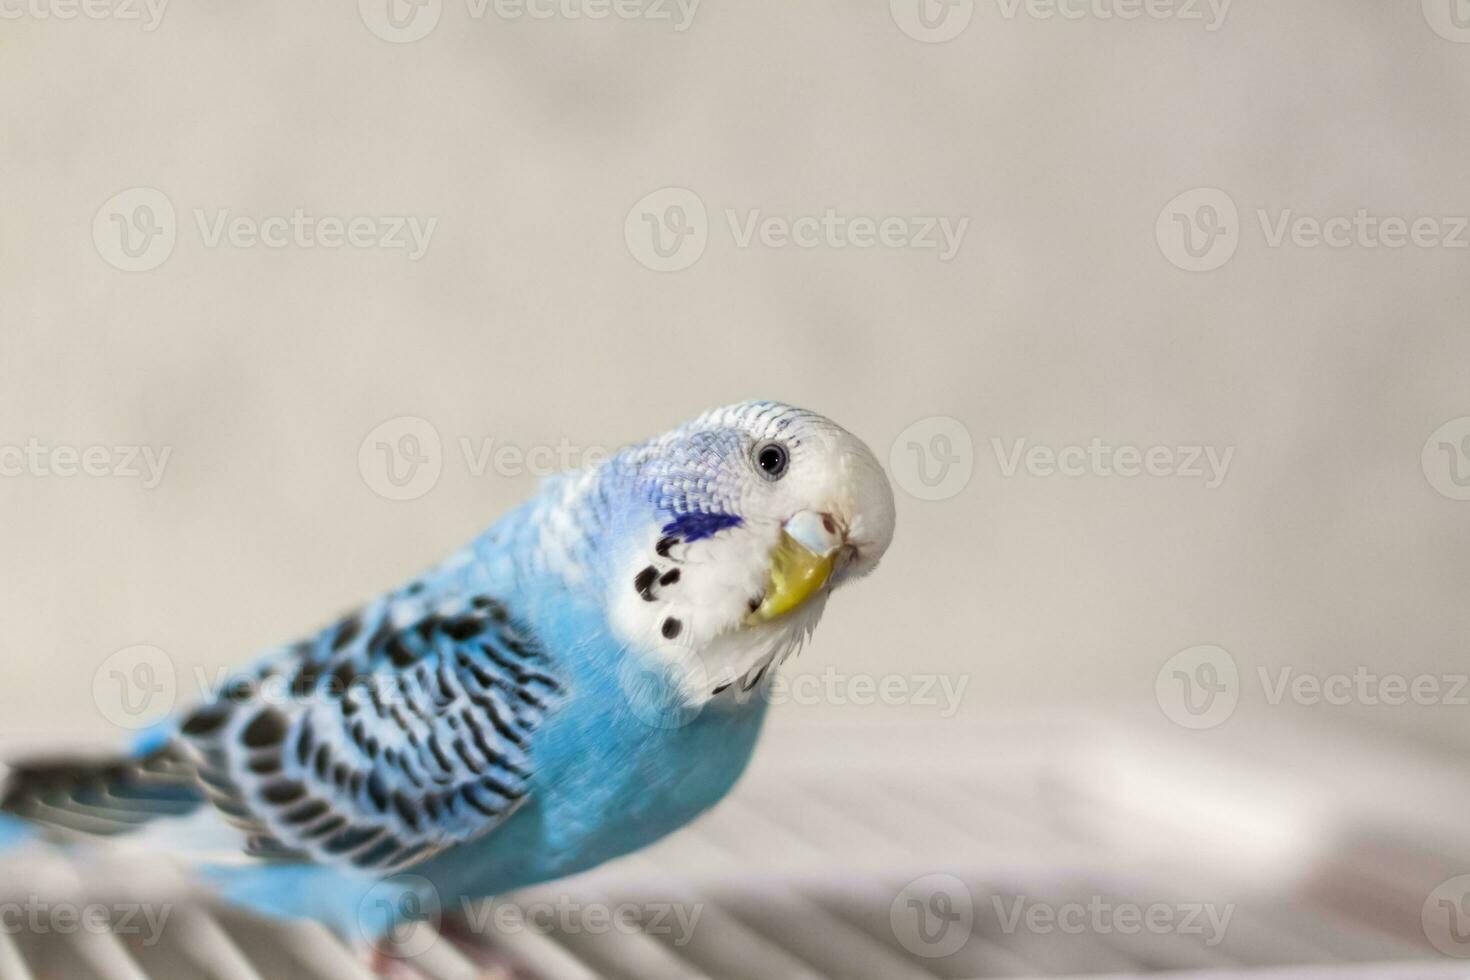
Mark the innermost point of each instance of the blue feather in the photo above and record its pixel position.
(700, 525)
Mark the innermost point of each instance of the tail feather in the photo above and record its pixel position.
(98, 797)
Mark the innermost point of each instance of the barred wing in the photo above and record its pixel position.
(399, 731)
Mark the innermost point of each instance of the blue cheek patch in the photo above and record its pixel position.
(696, 526)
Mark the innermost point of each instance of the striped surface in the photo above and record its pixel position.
(797, 877)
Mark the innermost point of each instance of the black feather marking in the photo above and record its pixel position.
(305, 684)
(342, 678)
(347, 631)
(399, 652)
(207, 720)
(327, 826)
(469, 797)
(379, 853)
(465, 627)
(407, 811)
(306, 812)
(444, 764)
(643, 583)
(266, 730)
(510, 794)
(282, 792)
(463, 752)
(376, 791)
(305, 739)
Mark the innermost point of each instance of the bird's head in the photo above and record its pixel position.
(747, 519)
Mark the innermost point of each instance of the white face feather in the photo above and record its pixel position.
(686, 603)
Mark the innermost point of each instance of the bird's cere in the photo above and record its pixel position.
(801, 564)
(817, 533)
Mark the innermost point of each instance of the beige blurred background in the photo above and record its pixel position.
(531, 320)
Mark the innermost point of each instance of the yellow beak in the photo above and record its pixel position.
(801, 563)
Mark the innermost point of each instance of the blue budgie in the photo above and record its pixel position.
(580, 680)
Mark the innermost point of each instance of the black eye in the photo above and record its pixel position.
(773, 459)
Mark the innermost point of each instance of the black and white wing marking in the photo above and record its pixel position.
(399, 731)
